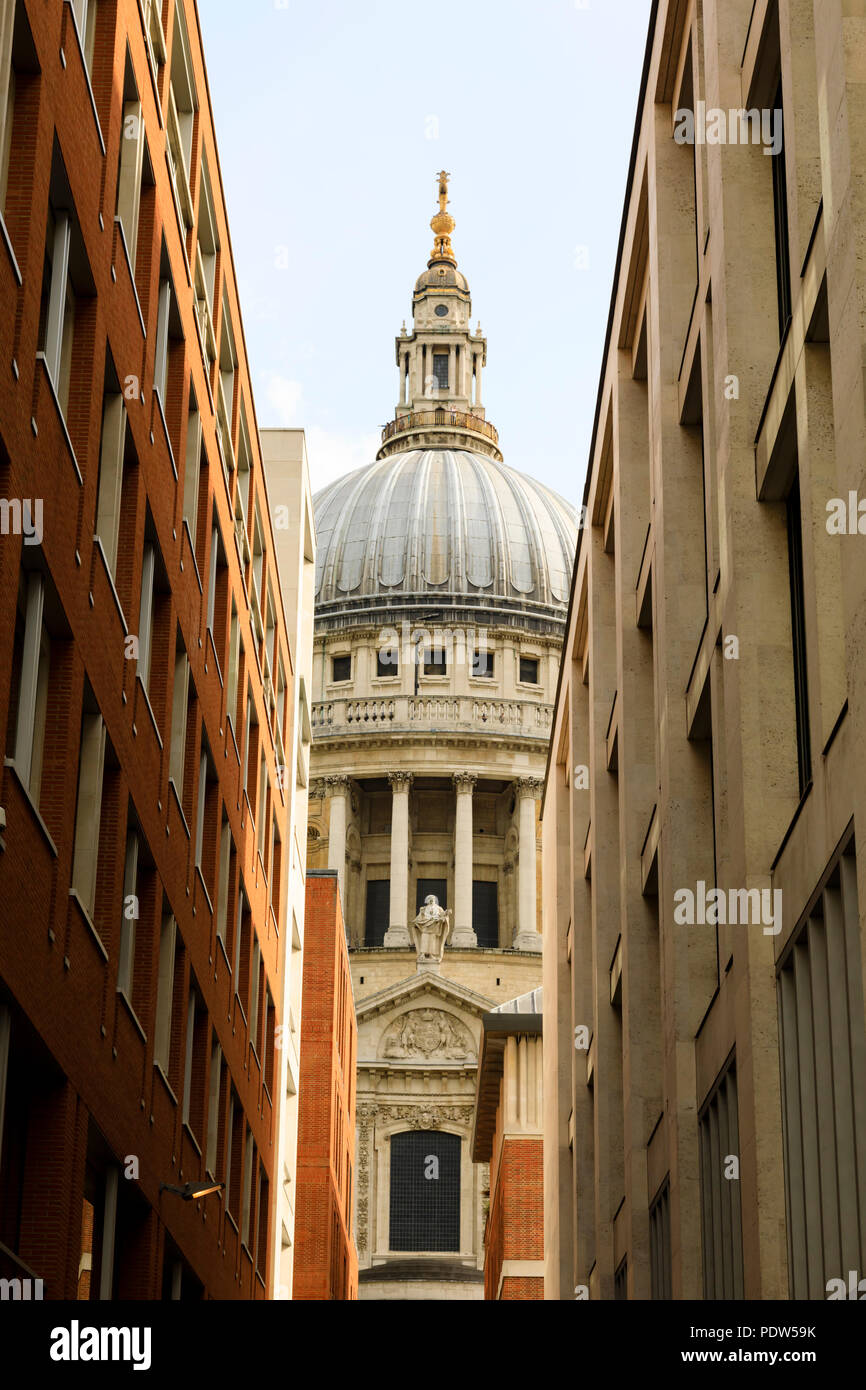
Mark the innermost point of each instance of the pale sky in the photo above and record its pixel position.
(333, 118)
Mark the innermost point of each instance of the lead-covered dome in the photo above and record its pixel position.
(443, 522)
(440, 276)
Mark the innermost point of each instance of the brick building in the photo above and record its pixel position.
(326, 1261)
(704, 894)
(147, 682)
(508, 1136)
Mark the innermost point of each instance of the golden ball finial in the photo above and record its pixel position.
(442, 224)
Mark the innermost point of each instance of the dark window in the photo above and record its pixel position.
(440, 370)
(620, 1281)
(435, 662)
(386, 662)
(780, 212)
(378, 909)
(425, 1191)
(529, 670)
(342, 668)
(660, 1244)
(721, 1213)
(482, 664)
(436, 886)
(798, 632)
(178, 1280)
(822, 1049)
(485, 914)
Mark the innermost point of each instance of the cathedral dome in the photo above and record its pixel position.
(448, 523)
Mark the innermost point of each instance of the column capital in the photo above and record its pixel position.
(336, 785)
(401, 781)
(464, 781)
(529, 786)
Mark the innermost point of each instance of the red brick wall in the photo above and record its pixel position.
(515, 1222)
(521, 1290)
(326, 1262)
(59, 974)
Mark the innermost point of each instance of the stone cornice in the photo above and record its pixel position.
(434, 738)
(384, 1000)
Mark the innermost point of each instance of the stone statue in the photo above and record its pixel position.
(430, 931)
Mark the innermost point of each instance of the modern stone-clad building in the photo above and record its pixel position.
(703, 895)
(149, 681)
(284, 458)
(441, 583)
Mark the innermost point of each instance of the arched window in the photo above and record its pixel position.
(425, 1190)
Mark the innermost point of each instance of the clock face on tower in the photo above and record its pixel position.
(441, 310)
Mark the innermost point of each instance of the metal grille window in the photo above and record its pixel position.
(437, 886)
(485, 913)
(823, 1063)
(342, 668)
(660, 1243)
(440, 370)
(425, 1191)
(378, 909)
(721, 1217)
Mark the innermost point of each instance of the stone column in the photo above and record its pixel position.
(398, 923)
(452, 370)
(478, 359)
(463, 934)
(337, 789)
(416, 385)
(527, 938)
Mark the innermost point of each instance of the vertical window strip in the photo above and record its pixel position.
(721, 1216)
(822, 1043)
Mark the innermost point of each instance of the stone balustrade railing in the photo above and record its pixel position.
(348, 715)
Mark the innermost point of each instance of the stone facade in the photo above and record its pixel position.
(284, 454)
(703, 902)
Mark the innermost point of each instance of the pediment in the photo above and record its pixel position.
(424, 1021)
(417, 987)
